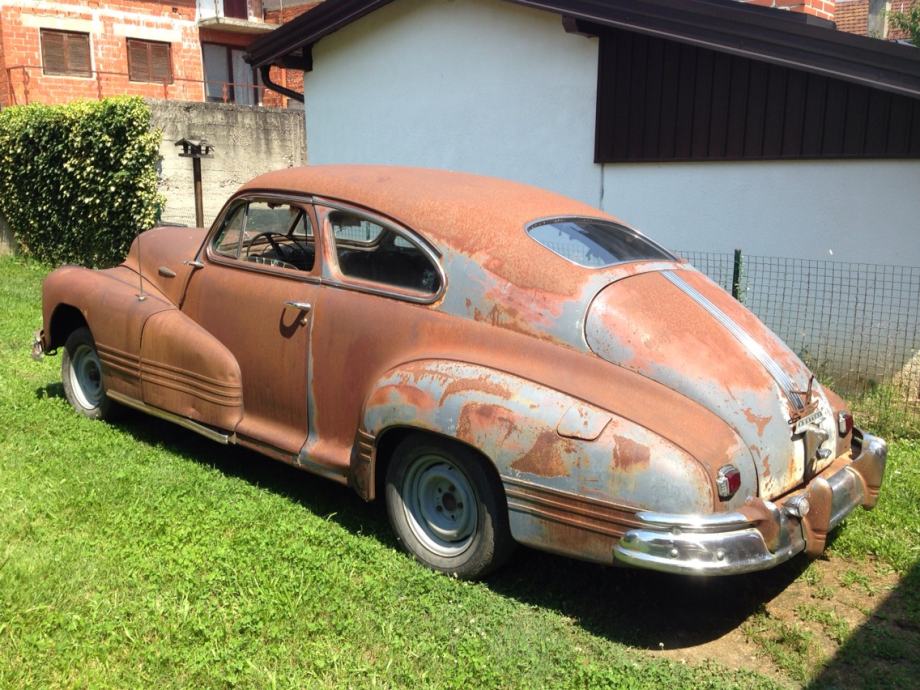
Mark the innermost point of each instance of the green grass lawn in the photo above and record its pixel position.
(139, 554)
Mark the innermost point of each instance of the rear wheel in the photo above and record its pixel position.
(446, 508)
(81, 374)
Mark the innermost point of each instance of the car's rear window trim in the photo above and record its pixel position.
(594, 219)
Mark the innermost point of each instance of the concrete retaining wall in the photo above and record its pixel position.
(247, 141)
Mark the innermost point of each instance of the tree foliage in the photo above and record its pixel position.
(909, 22)
(79, 181)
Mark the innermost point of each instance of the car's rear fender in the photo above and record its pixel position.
(574, 474)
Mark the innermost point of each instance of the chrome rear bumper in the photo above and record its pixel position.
(762, 534)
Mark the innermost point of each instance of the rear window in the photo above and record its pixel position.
(595, 243)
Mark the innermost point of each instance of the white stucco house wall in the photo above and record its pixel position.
(502, 88)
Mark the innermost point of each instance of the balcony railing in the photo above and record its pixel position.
(27, 84)
(232, 9)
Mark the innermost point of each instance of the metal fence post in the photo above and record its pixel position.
(736, 276)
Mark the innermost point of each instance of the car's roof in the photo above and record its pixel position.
(481, 217)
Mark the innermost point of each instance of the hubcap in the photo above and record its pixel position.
(86, 377)
(440, 505)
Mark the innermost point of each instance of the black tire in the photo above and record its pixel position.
(447, 508)
(81, 374)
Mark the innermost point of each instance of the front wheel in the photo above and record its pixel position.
(81, 374)
(446, 508)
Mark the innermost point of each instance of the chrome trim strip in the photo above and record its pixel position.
(149, 365)
(609, 528)
(336, 474)
(224, 400)
(561, 494)
(715, 522)
(205, 431)
(754, 348)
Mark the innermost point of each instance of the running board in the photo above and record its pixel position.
(185, 422)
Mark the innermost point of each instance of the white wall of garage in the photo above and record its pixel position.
(497, 89)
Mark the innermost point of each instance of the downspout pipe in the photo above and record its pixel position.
(264, 72)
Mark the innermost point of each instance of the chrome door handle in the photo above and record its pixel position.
(302, 306)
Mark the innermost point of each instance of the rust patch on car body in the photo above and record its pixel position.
(479, 419)
(403, 394)
(547, 457)
(481, 384)
(628, 455)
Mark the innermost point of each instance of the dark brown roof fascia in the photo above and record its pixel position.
(758, 33)
(766, 36)
(293, 37)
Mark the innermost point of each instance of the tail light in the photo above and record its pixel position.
(728, 481)
(844, 423)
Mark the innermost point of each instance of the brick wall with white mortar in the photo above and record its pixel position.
(109, 25)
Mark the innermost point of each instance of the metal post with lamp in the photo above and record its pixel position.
(196, 149)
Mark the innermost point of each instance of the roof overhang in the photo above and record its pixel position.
(779, 37)
(236, 26)
(292, 42)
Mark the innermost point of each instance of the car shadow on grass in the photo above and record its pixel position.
(884, 652)
(638, 608)
(641, 608)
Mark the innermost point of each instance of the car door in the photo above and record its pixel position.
(256, 292)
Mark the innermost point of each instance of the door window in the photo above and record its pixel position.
(371, 252)
(268, 233)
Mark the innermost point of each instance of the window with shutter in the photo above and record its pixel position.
(66, 52)
(149, 61)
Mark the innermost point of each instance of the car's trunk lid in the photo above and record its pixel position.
(679, 328)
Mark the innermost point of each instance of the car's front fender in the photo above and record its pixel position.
(570, 470)
(109, 302)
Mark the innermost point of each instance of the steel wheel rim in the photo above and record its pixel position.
(440, 505)
(86, 377)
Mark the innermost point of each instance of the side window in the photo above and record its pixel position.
(269, 233)
(371, 252)
(353, 229)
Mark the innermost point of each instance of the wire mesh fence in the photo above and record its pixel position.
(856, 325)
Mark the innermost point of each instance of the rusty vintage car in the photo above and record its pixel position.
(500, 363)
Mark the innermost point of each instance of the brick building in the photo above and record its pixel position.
(822, 9)
(872, 17)
(864, 17)
(54, 51)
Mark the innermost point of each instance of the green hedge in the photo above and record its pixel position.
(79, 181)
